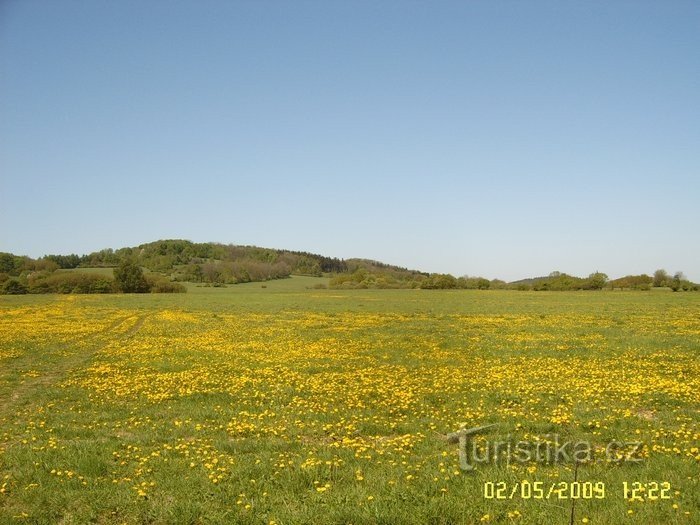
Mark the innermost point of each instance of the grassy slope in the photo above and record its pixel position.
(296, 283)
(104, 272)
(293, 405)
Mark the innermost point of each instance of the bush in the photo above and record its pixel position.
(159, 284)
(129, 278)
(14, 287)
(439, 281)
(70, 282)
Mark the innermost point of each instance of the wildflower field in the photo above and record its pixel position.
(286, 404)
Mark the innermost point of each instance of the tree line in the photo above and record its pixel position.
(127, 277)
(168, 262)
(368, 276)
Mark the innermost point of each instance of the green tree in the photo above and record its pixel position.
(676, 282)
(596, 281)
(439, 281)
(661, 278)
(7, 262)
(129, 278)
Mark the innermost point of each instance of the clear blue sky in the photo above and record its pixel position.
(504, 139)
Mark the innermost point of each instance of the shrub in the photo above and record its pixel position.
(159, 284)
(129, 278)
(14, 287)
(70, 282)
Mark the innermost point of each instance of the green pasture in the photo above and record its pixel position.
(288, 403)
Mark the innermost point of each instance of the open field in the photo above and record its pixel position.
(288, 404)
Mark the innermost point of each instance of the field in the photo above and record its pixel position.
(286, 404)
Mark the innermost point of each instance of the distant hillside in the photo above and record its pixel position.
(528, 282)
(214, 263)
(209, 262)
(219, 264)
(366, 273)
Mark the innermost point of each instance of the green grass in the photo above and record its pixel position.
(104, 272)
(297, 283)
(290, 404)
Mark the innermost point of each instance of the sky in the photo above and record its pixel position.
(496, 138)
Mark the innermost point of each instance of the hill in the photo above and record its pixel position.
(217, 264)
(211, 263)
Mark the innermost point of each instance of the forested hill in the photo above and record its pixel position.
(209, 262)
(220, 264)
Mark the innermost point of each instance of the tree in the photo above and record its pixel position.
(676, 282)
(129, 278)
(7, 262)
(661, 278)
(596, 281)
(439, 281)
(211, 273)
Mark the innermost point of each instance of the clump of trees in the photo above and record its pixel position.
(383, 276)
(27, 276)
(559, 281)
(130, 278)
(69, 282)
(443, 281)
(362, 278)
(57, 282)
(677, 282)
(233, 272)
(632, 282)
(365, 273)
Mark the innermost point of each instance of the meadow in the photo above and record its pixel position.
(284, 404)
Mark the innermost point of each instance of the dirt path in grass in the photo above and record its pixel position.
(22, 393)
